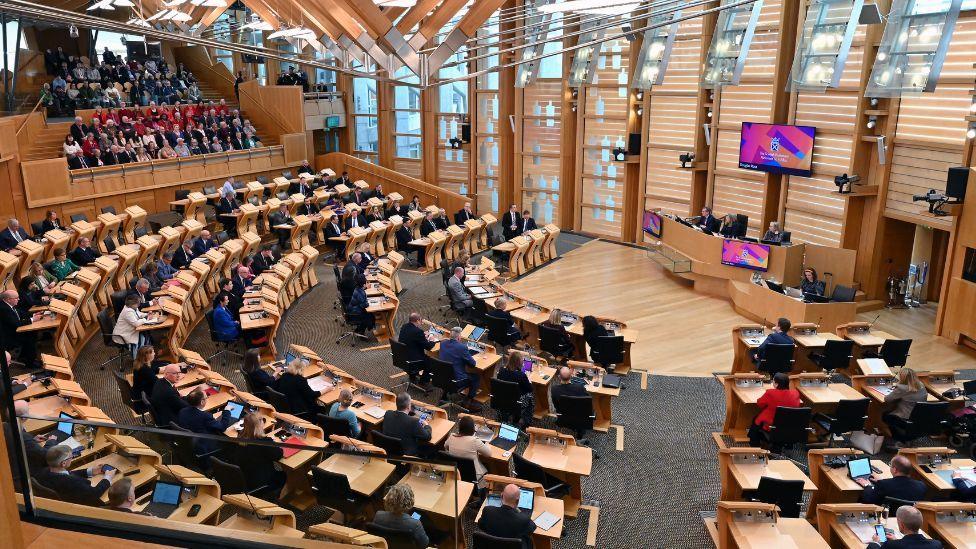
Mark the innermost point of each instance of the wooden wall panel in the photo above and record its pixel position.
(915, 170)
(46, 181)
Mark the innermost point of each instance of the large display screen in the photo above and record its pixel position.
(748, 255)
(777, 148)
(652, 224)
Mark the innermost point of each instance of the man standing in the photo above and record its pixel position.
(511, 223)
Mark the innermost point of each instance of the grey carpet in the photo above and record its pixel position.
(650, 495)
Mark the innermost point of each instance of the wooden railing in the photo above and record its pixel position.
(393, 181)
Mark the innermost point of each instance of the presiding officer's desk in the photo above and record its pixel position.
(935, 466)
(834, 484)
(741, 469)
(952, 522)
(851, 525)
(561, 457)
(759, 302)
(755, 525)
(541, 539)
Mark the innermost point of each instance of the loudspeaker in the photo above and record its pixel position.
(633, 144)
(870, 15)
(466, 132)
(956, 183)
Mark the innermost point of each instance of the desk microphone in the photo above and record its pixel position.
(873, 321)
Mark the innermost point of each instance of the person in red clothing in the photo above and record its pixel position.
(779, 395)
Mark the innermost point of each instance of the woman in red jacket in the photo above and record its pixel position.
(779, 395)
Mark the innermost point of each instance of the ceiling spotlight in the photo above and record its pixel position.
(873, 102)
(872, 122)
(971, 132)
(640, 111)
(709, 113)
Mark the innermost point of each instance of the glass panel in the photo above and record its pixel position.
(408, 146)
(367, 136)
(407, 122)
(364, 96)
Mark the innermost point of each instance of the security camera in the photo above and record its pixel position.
(73, 31)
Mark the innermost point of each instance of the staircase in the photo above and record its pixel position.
(51, 139)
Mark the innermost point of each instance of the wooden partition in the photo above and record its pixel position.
(393, 181)
(277, 108)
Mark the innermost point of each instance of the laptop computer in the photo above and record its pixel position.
(165, 499)
(507, 436)
(611, 381)
(814, 298)
(794, 292)
(774, 286)
(477, 333)
(525, 504)
(859, 468)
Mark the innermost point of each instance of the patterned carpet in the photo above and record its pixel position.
(651, 495)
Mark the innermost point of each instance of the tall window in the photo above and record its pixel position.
(407, 124)
(452, 112)
(541, 138)
(487, 134)
(365, 120)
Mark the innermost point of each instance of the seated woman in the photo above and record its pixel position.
(301, 397)
(779, 395)
(731, 227)
(61, 266)
(226, 327)
(259, 379)
(365, 321)
(904, 395)
(512, 372)
(44, 280)
(398, 504)
(145, 371)
(811, 283)
(464, 444)
(592, 331)
(258, 462)
(774, 234)
(565, 344)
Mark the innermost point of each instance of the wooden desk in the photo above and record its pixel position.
(602, 396)
(940, 381)
(751, 525)
(344, 534)
(875, 387)
(952, 522)
(440, 424)
(940, 462)
(282, 520)
(541, 539)
(366, 474)
(207, 495)
(560, 456)
(444, 496)
(863, 335)
(834, 485)
(742, 391)
(841, 524)
(498, 462)
(741, 469)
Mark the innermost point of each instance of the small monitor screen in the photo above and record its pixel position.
(508, 432)
(527, 365)
(66, 427)
(167, 492)
(493, 500)
(526, 499)
(777, 148)
(477, 333)
(652, 224)
(745, 254)
(289, 356)
(235, 409)
(859, 467)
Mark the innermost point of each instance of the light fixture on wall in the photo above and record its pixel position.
(873, 102)
(872, 122)
(640, 111)
(971, 131)
(845, 182)
(455, 143)
(686, 158)
(620, 154)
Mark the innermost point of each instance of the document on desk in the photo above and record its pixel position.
(863, 530)
(320, 384)
(756, 340)
(376, 412)
(546, 520)
(872, 366)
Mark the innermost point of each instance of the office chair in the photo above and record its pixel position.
(608, 351)
(893, 504)
(837, 355)
(231, 478)
(926, 419)
(893, 351)
(78, 217)
(250, 385)
(526, 470)
(460, 311)
(504, 400)
(786, 494)
(136, 407)
(222, 237)
(842, 294)
(186, 453)
(481, 540)
(551, 341)
(498, 330)
(140, 232)
(333, 426)
(332, 490)
(37, 228)
(118, 301)
(181, 194)
(446, 274)
(478, 312)
(153, 414)
(278, 400)
(107, 325)
(109, 210)
(743, 221)
(350, 320)
(576, 414)
(398, 352)
(41, 491)
(790, 426)
(222, 343)
(442, 377)
(287, 174)
(392, 445)
(282, 195)
(777, 357)
(109, 244)
(209, 189)
(465, 466)
(340, 293)
(396, 538)
(849, 416)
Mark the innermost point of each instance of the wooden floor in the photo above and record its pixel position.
(683, 332)
(39, 537)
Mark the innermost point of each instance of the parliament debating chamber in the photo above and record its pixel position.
(588, 273)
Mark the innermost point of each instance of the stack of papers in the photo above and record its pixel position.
(320, 384)
(376, 412)
(547, 520)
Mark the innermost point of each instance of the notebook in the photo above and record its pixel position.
(319, 383)
(376, 412)
(546, 520)
(288, 452)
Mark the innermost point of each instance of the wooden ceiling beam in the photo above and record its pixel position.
(433, 24)
(415, 15)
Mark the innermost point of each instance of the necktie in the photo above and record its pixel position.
(16, 235)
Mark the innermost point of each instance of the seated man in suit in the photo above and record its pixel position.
(500, 311)
(306, 168)
(263, 261)
(506, 521)
(280, 221)
(455, 352)
(11, 318)
(85, 253)
(909, 523)
(195, 418)
(34, 446)
(440, 220)
(901, 485)
(12, 236)
(226, 208)
(302, 186)
(354, 220)
(463, 214)
(74, 486)
(204, 243)
(511, 223)
(183, 255)
(404, 425)
(166, 400)
(333, 229)
(565, 385)
(428, 225)
(122, 496)
(528, 224)
(707, 221)
(412, 337)
(242, 280)
(460, 298)
(779, 336)
(141, 290)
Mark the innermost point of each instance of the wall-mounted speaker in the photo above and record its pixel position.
(466, 132)
(956, 182)
(633, 144)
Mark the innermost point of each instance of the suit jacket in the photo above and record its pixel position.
(203, 422)
(226, 206)
(300, 396)
(427, 227)
(462, 216)
(279, 218)
(458, 355)
(333, 229)
(182, 258)
(507, 522)
(778, 338)
(225, 326)
(300, 187)
(416, 343)
(201, 246)
(46, 225)
(897, 487)
(911, 541)
(528, 224)
(406, 428)
(167, 402)
(966, 491)
(560, 390)
(403, 522)
(458, 293)
(10, 320)
(708, 222)
(8, 241)
(74, 487)
(262, 263)
(360, 222)
(508, 220)
(77, 163)
(732, 230)
(84, 257)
